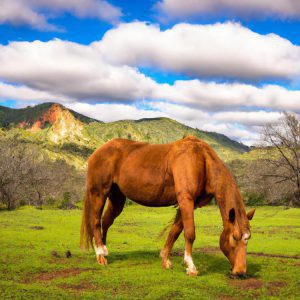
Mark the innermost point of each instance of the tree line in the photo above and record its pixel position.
(29, 177)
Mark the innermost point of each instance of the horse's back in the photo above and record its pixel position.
(119, 160)
(143, 171)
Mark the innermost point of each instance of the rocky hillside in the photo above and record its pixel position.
(45, 113)
(66, 134)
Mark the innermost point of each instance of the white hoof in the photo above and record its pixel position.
(167, 264)
(101, 250)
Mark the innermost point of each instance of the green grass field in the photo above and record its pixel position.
(29, 269)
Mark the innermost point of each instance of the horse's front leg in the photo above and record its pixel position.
(186, 205)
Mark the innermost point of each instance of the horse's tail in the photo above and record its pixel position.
(86, 234)
(170, 223)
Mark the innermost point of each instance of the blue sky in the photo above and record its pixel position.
(220, 66)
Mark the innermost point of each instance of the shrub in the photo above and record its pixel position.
(66, 202)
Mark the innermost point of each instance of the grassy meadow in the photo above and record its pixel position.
(33, 263)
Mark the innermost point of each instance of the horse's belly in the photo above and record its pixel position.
(147, 189)
(148, 194)
(142, 176)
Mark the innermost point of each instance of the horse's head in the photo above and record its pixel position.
(233, 243)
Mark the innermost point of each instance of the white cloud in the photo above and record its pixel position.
(114, 112)
(18, 13)
(80, 72)
(214, 96)
(222, 50)
(73, 70)
(248, 137)
(247, 118)
(35, 13)
(200, 118)
(79, 76)
(23, 93)
(178, 9)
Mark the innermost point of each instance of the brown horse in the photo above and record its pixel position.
(187, 173)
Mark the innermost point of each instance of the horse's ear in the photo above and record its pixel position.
(250, 214)
(232, 215)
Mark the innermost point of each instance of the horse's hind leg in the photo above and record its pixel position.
(186, 205)
(98, 201)
(174, 233)
(114, 208)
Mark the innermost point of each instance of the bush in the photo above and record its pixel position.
(66, 202)
(51, 201)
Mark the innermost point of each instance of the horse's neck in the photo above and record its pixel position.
(221, 184)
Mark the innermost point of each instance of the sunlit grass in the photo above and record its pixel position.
(28, 270)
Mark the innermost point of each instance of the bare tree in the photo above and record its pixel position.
(284, 139)
(12, 162)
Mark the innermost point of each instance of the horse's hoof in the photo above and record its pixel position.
(191, 272)
(167, 264)
(101, 260)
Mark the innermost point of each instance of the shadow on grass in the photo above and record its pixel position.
(207, 263)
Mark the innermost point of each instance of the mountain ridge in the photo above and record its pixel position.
(31, 114)
(67, 134)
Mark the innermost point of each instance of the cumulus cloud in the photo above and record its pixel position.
(214, 96)
(199, 117)
(177, 9)
(113, 112)
(23, 93)
(81, 72)
(18, 13)
(73, 70)
(35, 13)
(217, 50)
(247, 118)
(85, 79)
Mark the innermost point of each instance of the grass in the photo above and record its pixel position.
(28, 269)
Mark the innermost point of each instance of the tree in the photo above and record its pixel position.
(13, 167)
(284, 138)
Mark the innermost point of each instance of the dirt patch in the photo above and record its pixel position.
(55, 254)
(274, 255)
(208, 249)
(59, 260)
(226, 297)
(247, 284)
(176, 253)
(274, 287)
(48, 276)
(37, 227)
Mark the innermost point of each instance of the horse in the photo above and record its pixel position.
(187, 173)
